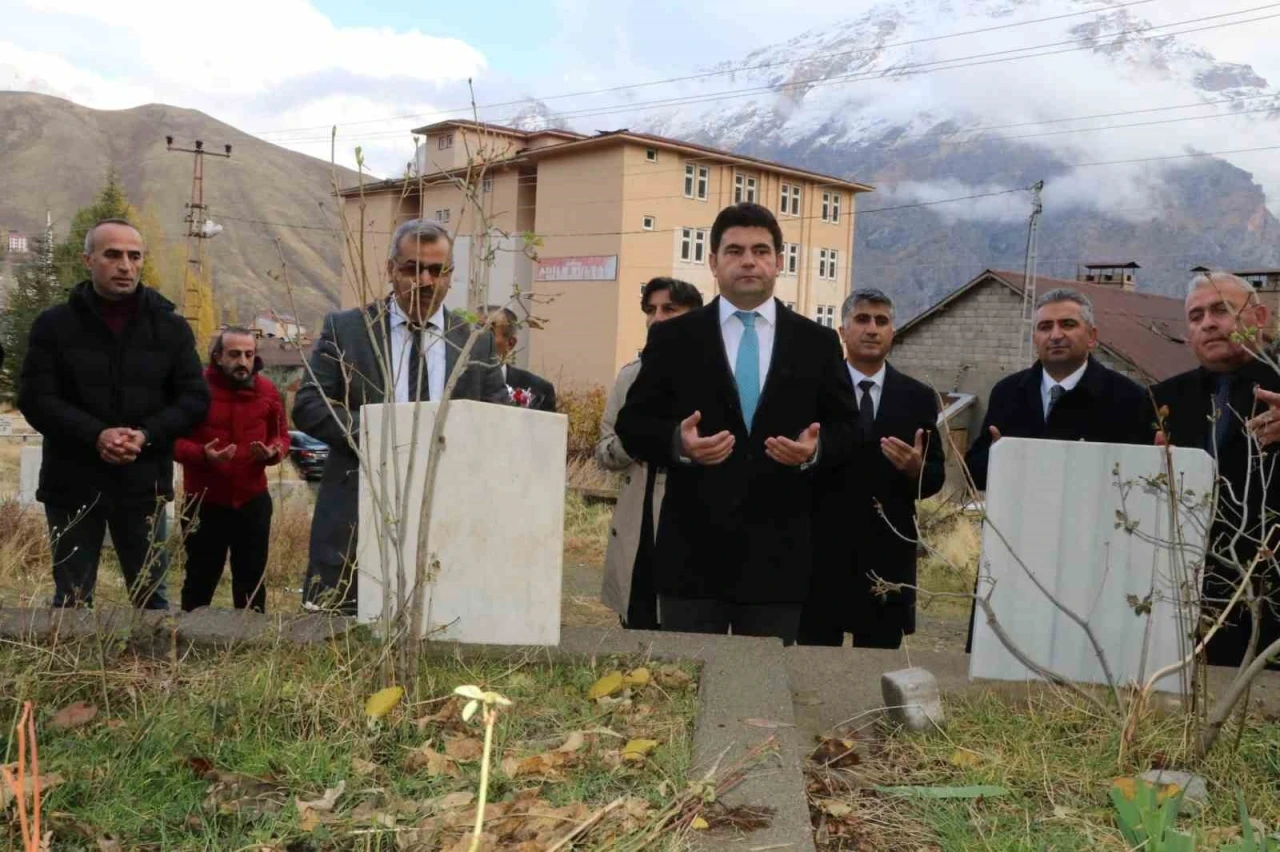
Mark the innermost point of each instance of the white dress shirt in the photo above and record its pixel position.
(731, 329)
(1047, 382)
(876, 392)
(432, 343)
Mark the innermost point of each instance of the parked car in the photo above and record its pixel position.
(308, 455)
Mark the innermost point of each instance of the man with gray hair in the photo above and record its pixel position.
(419, 341)
(1067, 395)
(867, 506)
(1231, 397)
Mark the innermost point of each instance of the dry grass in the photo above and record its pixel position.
(582, 472)
(950, 564)
(586, 529)
(584, 406)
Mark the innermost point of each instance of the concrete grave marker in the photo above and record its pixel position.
(1055, 504)
(497, 522)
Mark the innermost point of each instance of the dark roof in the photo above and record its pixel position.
(1143, 329)
(601, 139)
(497, 128)
(1128, 264)
(280, 353)
(1243, 272)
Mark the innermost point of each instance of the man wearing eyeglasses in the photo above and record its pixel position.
(401, 348)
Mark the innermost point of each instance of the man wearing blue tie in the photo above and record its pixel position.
(742, 401)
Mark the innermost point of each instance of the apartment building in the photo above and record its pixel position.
(603, 214)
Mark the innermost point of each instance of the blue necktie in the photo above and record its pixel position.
(1221, 412)
(747, 369)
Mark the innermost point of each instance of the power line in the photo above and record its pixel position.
(974, 60)
(720, 72)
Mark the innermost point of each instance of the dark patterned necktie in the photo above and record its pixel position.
(1221, 411)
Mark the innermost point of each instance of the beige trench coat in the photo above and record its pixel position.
(624, 531)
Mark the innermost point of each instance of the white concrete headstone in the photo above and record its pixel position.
(497, 520)
(29, 474)
(1054, 504)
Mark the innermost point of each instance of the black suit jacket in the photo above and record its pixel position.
(855, 540)
(1105, 407)
(1188, 401)
(544, 393)
(740, 531)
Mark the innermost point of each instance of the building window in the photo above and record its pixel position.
(688, 180)
(693, 245)
(651, 155)
(744, 188)
(831, 207)
(827, 264)
(826, 315)
(486, 185)
(647, 223)
(704, 182)
(445, 142)
(442, 215)
(790, 203)
(790, 259)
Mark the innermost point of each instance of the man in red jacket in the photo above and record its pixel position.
(224, 477)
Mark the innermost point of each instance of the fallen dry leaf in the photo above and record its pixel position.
(324, 803)
(464, 749)
(73, 716)
(433, 761)
(1128, 787)
(545, 765)
(605, 686)
(574, 742)
(109, 844)
(835, 808)
(636, 677)
(449, 713)
(383, 701)
(232, 793)
(48, 781)
(699, 824)
(360, 766)
(836, 753)
(672, 677)
(638, 749)
(451, 801)
(965, 759)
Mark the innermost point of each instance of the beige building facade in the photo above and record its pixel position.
(579, 223)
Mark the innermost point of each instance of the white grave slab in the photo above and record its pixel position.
(497, 521)
(29, 474)
(1055, 504)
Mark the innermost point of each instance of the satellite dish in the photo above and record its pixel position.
(210, 229)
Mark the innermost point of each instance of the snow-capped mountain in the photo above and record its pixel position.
(936, 99)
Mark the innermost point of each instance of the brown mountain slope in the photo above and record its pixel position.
(56, 154)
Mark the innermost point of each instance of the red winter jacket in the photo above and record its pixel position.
(236, 416)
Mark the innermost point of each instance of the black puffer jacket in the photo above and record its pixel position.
(80, 378)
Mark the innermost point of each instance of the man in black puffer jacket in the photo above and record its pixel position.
(110, 380)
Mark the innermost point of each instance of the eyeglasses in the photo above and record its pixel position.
(413, 269)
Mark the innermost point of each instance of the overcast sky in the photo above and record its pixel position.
(289, 69)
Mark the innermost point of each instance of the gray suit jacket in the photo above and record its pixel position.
(345, 363)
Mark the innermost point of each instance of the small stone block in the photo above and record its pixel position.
(1195, 791)
(912, 699)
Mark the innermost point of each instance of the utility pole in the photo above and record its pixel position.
(1029, 277)
(199, 228)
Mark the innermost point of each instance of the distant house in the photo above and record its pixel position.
(282, 326)
(1265, 281)
(17, 243)
(970, 340)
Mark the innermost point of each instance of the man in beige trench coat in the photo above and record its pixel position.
(628, 584)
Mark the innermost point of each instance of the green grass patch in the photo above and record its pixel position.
(212, 751)
(1058, 759)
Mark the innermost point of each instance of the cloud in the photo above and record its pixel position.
(256, 65)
